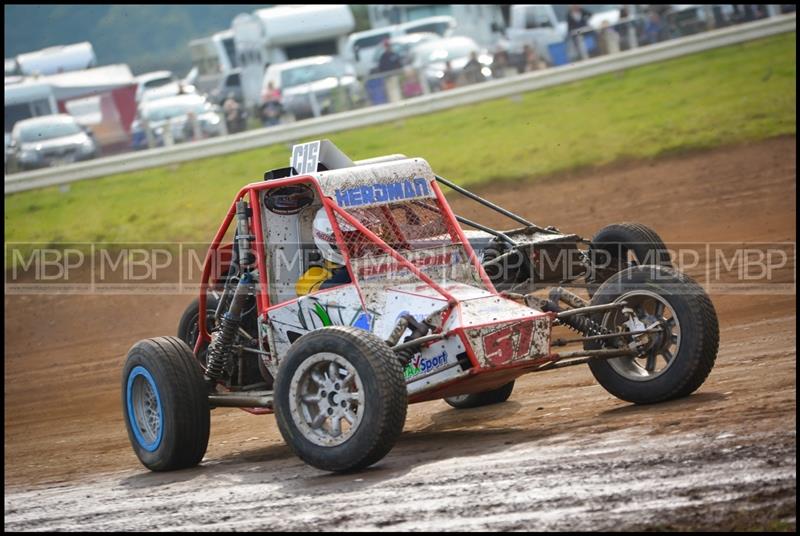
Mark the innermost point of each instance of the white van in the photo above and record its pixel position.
(283, 33)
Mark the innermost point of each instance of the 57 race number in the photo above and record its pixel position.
(509, 343)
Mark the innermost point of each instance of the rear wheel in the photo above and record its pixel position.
(340, 398)
(622, 245)
(188, 328)
(486, 398)
(165, 404)
(674, 360)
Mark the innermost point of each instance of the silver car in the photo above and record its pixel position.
(308, 86)
(431, 57)
(170, 115)
(50, 140)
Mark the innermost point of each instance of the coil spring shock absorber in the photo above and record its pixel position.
(220, 348)
(584, 325)
(580, 323)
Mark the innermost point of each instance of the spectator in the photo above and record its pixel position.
(500, 64)
(472, 69)
(532, 61)
(449, 77)
(654, 30)
(624, 29)
(233, 114)
(389, 60)
(190, 127)
(411, 85)
(748, 12)
(271, 106)
(609, 39)
(577, 18)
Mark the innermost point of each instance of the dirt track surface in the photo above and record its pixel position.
(562, 454)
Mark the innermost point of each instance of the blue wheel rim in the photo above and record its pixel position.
(145, 413)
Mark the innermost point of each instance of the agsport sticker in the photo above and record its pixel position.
(421, 365)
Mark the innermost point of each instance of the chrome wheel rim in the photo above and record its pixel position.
(659, 350)
(326, 399)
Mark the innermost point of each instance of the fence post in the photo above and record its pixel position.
(223, 123)
(393, 92)
(709, 14)
(148, 132)
(633, 41)
(314, 103)
(196, 132)
(423, 80)
(582, 45)
(168, 139)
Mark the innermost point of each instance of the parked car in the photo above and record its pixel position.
(50, 140)
(160, 84)
(174, 112)
(301, 82)
(431, 57)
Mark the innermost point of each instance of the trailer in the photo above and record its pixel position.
(58, 59)
(213, 58)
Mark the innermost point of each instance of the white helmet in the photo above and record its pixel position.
(325, 239)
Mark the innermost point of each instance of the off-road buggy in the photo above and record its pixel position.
(431, 312)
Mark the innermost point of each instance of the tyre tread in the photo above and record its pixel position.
(705, 326)
(176, 363)
(391, 384)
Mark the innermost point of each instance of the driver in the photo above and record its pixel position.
(332, 273)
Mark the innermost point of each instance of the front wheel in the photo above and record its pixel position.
(165, 404)
(679, 352)
(340, 398)
(486, 398)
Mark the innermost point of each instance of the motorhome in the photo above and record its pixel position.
(25, 99)
(284, 33)
(478, 21)
(57, 59)
(213, 58)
